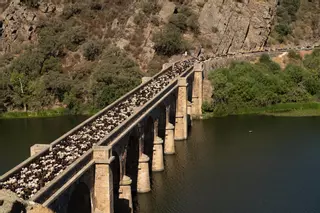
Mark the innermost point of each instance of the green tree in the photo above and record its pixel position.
(169, 42)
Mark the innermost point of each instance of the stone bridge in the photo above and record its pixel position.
(98, 165)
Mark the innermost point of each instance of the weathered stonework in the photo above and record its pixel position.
(231, 26)
(169, 140)
(103, 183)
(125, 191)
(181, 111)
(143, 175)
(197, 93)
(37, 148)
(157, 163)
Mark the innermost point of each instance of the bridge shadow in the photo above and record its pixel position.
(123, 206)
(132, 160)
(115, 168)
(148, 143)
(80, 201)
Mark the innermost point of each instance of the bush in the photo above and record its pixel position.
(169, 42)
(294, 55)
(150, 7)
(185, 19)
(312, 61)
(207, 106)
(244, 86)
(91, 50)
(283, 29)
(139, 19)
(73, 37)
(70, 11)
(31, 3)
(179, 20)
(193, 24)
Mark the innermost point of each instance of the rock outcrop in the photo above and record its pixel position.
(19, 23)
(236, 25)
(11, 203)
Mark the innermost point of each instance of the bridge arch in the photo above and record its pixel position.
(172, 109)
(162, 120)
(80, 200)
(116, 176)
(148, 139)
(132, 158)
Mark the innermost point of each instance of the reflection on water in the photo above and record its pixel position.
(221, 167)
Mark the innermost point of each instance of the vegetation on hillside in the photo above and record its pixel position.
(74, 65)
(170, 40)
(296, 20)
(244, 87)
(36, 80)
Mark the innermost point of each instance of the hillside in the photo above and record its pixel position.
(82, 55)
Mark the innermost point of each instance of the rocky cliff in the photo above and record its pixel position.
(19, 23)
(226, 26)
(237, 25)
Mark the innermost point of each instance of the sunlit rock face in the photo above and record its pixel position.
(237, 25)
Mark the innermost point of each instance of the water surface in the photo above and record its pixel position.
(221, 168)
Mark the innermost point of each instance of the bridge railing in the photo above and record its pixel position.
(112, 138)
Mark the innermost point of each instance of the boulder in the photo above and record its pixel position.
(11, 203)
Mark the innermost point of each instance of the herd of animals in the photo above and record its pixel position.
(27, 181)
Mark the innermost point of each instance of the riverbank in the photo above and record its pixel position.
(285, 110)
(43, 113)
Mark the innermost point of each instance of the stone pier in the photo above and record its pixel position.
(197, 94)
(157, 162)
(169, 140)
(125, 194)
(143, 174)
(103, 183)
(181, 126)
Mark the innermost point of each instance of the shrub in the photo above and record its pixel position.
(192, 23)
(294, 55)
(155, 20)
(283, 29)
(207, 106)
(150, 7)
(31, 3)
(73, 37)
(91, 50)
(313, 61)
(139, 19)
(179, 20)
(70, 11)
(169, 41)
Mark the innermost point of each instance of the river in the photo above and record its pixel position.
(221, 168)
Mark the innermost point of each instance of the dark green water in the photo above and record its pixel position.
(17, 135)
(222, 168)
